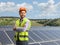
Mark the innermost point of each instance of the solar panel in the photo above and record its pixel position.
(37, 36)
(3, 38)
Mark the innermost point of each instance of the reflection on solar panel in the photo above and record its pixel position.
(37, 36)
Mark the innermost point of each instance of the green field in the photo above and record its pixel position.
(35, 22)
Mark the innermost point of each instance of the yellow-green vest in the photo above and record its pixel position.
(22, 36)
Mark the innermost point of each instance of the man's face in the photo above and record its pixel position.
(22, 14)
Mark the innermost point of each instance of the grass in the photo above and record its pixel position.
(34, 23)
(11, 21)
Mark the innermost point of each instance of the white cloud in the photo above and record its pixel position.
(6, 6)
(47, 6)
(13, 7)
(49, 9)
(35, 2)
(42, 4)
(57, 6)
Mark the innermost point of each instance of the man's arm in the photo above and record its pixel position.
(21, 28)
(15, 28)
(26, 25)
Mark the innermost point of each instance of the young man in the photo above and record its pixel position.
(21, 27)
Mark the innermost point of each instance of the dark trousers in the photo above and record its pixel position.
(21, 42)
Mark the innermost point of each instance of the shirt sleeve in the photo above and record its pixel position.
(26, 25)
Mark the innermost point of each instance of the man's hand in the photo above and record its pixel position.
(14, 28)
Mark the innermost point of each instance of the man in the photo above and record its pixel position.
(21, 27)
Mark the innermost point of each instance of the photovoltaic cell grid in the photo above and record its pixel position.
(36, 36)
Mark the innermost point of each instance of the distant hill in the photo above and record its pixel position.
(55, 22)
(35, 22)
(50, 22)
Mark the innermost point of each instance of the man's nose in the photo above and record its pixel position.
(22, 13)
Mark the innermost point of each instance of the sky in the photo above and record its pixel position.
(36, 9)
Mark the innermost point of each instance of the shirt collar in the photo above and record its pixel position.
(22, 19)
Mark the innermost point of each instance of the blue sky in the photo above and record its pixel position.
(36, 9)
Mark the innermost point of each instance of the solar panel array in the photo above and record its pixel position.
(37, 36)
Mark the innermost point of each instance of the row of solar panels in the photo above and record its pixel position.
(37, 37)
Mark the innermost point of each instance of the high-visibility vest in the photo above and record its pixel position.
(22, 36)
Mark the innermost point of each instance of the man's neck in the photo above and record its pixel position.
(22, 18)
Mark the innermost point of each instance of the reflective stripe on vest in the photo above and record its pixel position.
(23, 36)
